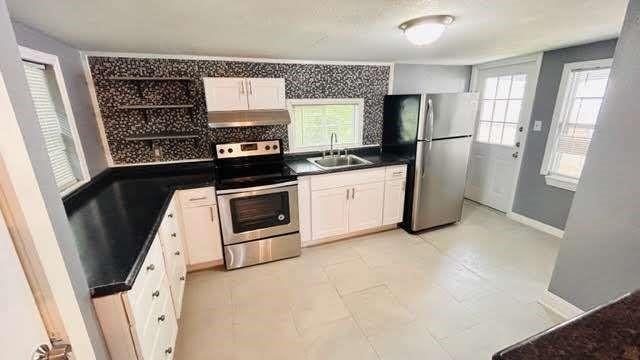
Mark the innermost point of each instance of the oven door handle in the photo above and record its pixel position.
(256, 188)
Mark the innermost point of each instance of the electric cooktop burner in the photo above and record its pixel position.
(250, 164)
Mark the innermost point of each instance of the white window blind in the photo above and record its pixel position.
(581, 107)
(53, 123)
(314, 121)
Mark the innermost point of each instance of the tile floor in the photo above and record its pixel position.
(460, 292)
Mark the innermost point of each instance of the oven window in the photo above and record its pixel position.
(259, 211)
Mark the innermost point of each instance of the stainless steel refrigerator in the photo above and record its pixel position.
(435, 132)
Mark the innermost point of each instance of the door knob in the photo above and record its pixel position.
(521, 128)
(515, 155)
(518, 144)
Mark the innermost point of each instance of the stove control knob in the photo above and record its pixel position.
(230, 150)
(267, 147)
(221, 151)
(275, 147)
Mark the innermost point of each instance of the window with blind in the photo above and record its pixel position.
(581, 94)
(314, 120)
(54, 124)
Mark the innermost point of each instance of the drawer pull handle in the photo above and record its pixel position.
(161, 318)
(174, 234)
(182, 278)
(396, 173)
(170, 215)
(177, 253)
(169, 350)
(198, 198)
(151, 267)
(156, 294)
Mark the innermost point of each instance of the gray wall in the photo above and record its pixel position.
(73, 71)
(415, 78)
(534, 198)
(16, 83)
(600, 255)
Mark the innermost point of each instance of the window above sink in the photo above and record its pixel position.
(313, 121)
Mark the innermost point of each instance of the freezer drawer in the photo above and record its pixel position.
(440, 176)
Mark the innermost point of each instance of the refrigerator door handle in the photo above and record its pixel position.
(422, 158)
(429, 135)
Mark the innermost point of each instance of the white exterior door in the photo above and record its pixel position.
(266, 93)
(225, 94)
(365, 206)
(24, 330)
(329, 212)
(506, 97)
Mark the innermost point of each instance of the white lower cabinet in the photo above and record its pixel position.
(330, 209)
(202, 234)
(393, 202)
(365, 206)
(335, 205)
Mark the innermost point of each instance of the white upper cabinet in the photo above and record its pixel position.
(266, 94)
(234, 94)
(226, 94)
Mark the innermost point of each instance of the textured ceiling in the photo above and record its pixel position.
(354, 30)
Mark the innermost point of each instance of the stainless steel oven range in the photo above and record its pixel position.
(258, 203)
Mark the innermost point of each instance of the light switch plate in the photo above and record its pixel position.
(537, 125)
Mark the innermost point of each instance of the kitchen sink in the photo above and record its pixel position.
(335, 162)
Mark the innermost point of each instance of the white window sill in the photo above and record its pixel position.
(73, 188)
(561, 182)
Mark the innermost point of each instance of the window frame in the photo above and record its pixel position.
(559, 113)
(28, 54)
(359, 120)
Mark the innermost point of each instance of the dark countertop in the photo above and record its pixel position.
(116, 216)
(611, 331)
(303, 167)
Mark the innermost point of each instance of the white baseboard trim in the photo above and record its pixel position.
(536, 224)
(559, 306)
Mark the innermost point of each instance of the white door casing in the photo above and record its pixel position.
(507, 89)
(24, 329)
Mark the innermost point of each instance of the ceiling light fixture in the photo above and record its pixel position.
(427, 29)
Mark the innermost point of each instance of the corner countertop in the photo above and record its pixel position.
(303, 167)
(115, 217)
(611, 331)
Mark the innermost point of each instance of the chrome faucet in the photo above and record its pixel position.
(333, 134)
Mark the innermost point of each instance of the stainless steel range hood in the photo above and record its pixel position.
(225, 119)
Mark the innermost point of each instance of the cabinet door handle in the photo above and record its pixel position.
(242, 87)
(177, 253)
(170, 215)
(182, 278)
(169, 350)
(353, 193)
(198, 198)
(174, 234)
(347, 194)
(213, 219)
(156, 294)
(151, 267)
(250, 87)
(161, 318)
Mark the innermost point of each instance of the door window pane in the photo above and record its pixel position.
(501, 102)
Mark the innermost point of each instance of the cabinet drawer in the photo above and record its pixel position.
(347, 178)
(150, 274)
(157, 317)
(396, 172)
(197, 197)
(163, 345)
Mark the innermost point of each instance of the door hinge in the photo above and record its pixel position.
(57, 351)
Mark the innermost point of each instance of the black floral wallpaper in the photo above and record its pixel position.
(369, 82)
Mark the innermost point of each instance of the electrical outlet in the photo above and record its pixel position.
(537, 125)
